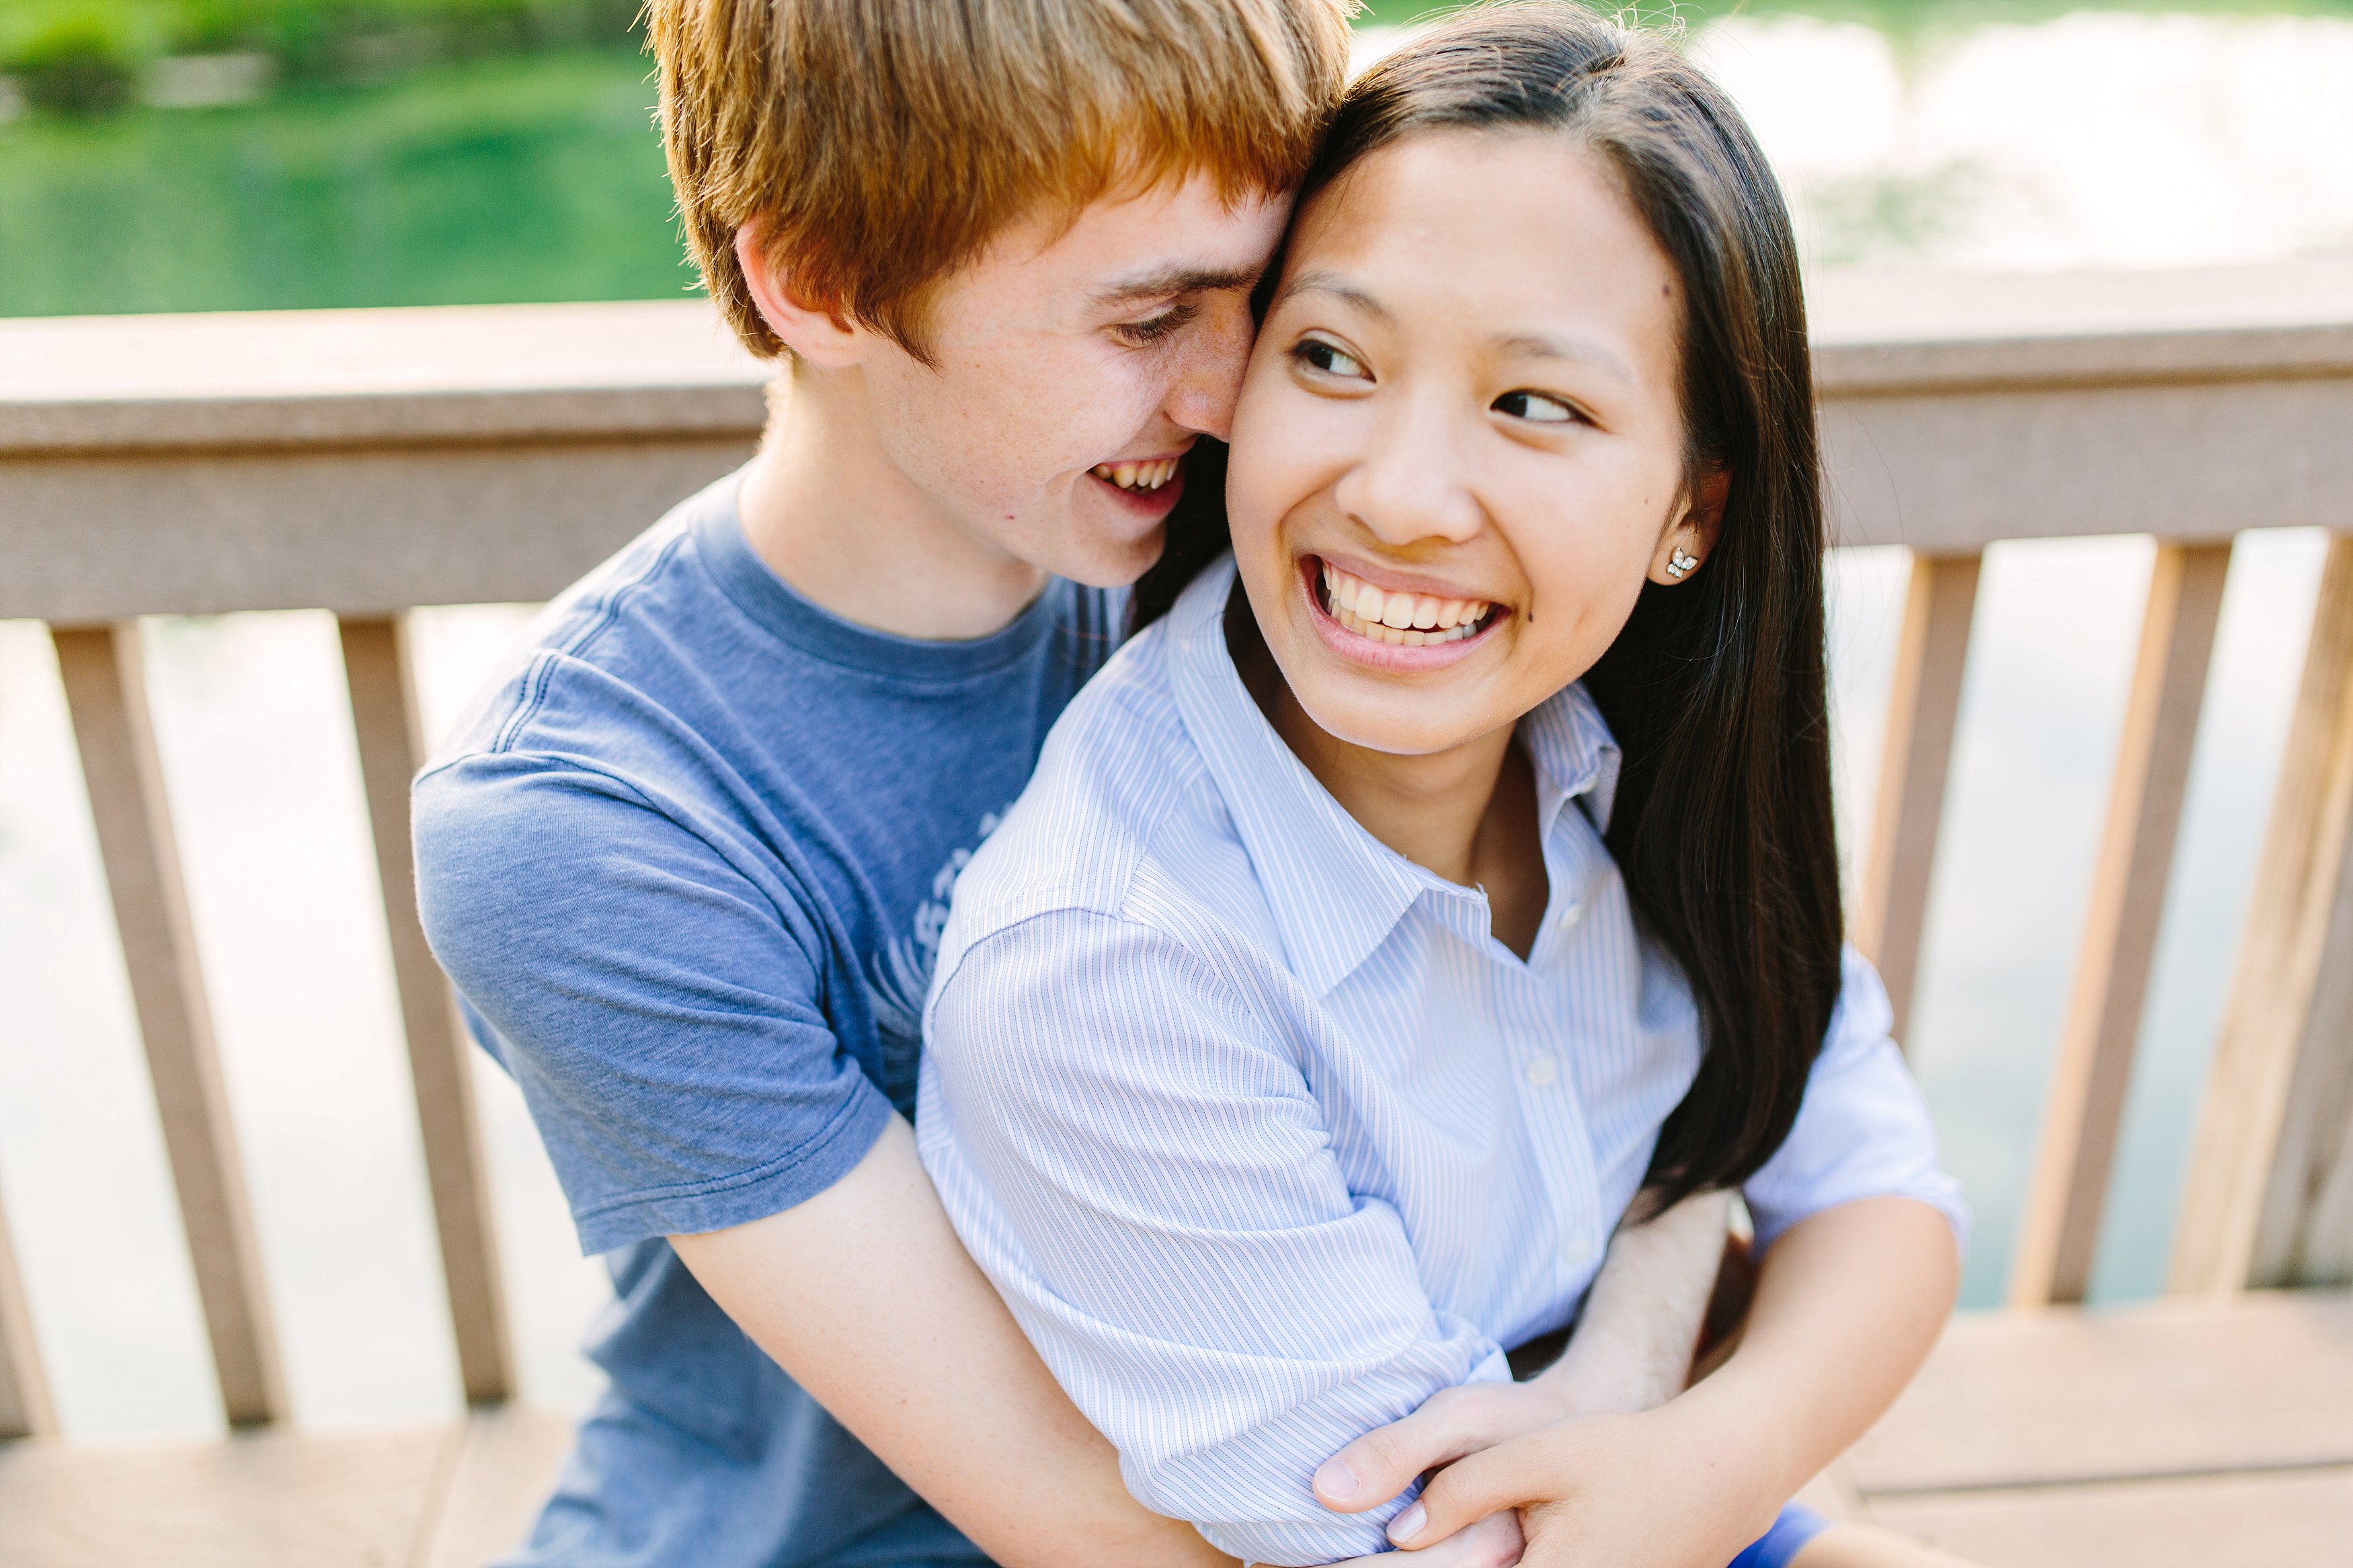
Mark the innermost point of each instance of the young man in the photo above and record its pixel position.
(689, 865)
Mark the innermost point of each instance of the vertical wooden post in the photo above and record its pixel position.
(25, 1407)
(1922, 705)
(385, 718)
(2269, 1199)
(2060, 1231)
(106, 688)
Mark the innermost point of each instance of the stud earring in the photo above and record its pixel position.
(1680, 561)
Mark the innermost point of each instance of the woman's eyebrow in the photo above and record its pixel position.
(1314, 282)
(1575, 350)
(1162, 281)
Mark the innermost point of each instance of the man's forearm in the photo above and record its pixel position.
(1633, 1344)
(866, 1297)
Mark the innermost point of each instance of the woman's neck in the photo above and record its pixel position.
(1467, 813)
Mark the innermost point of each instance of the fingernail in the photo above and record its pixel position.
(1335, 1480)
(1407, 1525)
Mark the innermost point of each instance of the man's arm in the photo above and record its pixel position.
(866, 1297)
(1633, 1349)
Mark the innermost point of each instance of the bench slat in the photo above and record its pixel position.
(2266, 1200)
(25, 1410)
(2059, 1232)
(106, 691)
(2061, 1395)
(384, 718)
(1923, 703)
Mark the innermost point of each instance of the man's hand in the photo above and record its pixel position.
(866, 1297)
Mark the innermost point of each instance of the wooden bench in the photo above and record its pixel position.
(371, 462)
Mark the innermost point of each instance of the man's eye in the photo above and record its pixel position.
(1537, 407)
(1153, 328)
(1330, 358)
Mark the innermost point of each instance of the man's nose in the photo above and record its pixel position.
(1209, 374)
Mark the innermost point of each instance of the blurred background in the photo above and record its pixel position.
(261, 154)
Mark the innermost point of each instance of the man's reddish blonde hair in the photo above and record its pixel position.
(880, 144)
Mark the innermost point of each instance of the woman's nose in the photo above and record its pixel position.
(1411, 482)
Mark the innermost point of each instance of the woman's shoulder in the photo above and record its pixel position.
(1117, 768)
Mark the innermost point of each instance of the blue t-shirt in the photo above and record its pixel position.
(688, 867)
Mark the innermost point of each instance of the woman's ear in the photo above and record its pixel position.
(823, 337)
(1692, 535)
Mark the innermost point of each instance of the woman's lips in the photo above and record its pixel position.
(1336, 601)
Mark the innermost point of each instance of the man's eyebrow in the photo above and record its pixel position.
(1314, 282)
(1163, 281)
(1576, 351)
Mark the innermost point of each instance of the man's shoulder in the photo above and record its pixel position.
(596, 635)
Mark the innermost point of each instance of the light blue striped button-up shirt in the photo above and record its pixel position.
(1263, 1136)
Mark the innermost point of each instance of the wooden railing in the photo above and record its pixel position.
(367, 463)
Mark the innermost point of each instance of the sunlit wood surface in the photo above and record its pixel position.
(2190, 1434)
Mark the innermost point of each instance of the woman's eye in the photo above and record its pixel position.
(1153, 328)
(1329, 358)
(1537, 407)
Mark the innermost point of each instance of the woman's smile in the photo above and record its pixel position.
(1396, 627)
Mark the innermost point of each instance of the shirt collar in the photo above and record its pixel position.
(1337, 891)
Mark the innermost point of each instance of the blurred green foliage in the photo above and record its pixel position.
(81, 56)
(490, 182)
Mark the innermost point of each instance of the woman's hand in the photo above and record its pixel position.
(1450, 1423)
(1649, 1491)
(1493, 1543)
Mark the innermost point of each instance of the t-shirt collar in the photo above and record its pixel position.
(776, 605)
(1336, 890)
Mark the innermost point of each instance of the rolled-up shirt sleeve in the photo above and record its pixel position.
(1137, 1162)
(1863, 1129)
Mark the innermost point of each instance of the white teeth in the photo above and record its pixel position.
(1410, 620)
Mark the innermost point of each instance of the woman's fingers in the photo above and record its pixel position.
(1493, 1543)
(1452, 1423)
(1525, 1471)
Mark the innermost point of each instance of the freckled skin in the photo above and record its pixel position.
(1464, 240)
(1028, 393)
(932, 499)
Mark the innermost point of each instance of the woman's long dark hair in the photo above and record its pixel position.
(1715, 690)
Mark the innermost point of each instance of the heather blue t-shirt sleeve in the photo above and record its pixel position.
(656, 993)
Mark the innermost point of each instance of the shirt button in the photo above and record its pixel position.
(1576, 1252)
(1542, 1070)
(1570, 914)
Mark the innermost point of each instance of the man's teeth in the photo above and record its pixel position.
(1411, 619)
(1137, 476)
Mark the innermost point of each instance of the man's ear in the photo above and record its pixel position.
(1691, 537)
(826, 339)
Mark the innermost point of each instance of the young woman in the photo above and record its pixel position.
(1454, 857)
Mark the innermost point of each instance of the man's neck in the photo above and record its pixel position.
(829, 511)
